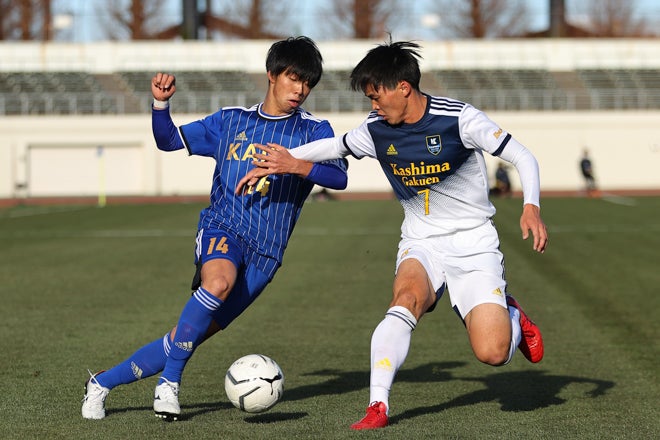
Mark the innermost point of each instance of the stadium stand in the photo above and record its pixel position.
(333, 94)
(622, 88)
(30, 93)
(502, 89)
(200, 91)
(54, 93)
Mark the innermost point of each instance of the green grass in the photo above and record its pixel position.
(83, 287)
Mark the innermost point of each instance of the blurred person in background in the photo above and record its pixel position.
(502, 186)
(587, 170)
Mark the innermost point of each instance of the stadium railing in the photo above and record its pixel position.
(34, 93)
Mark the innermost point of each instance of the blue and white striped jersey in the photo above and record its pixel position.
(265, 218)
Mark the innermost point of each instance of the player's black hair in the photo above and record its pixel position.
(296, 55)
(386, 65)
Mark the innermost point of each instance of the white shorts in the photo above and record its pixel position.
(468, 262)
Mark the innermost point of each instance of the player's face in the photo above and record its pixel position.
(287, 92)
(398, 105)
(391, 105)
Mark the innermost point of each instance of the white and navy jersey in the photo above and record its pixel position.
(436, 165)
(265, 218)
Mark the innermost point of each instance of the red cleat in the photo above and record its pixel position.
(376, 417)
(531, 343)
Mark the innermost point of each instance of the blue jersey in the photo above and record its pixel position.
(265, 218)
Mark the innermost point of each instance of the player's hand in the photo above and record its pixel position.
(262, 163)
(531, 221)
(277, 160)
(273, 159)
(250, 180)
(163, 86)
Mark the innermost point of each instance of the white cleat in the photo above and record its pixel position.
(93, 404)
(166, 400)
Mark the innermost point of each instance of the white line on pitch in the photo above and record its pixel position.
(618, 200)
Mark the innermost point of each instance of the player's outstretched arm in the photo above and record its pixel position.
(276, 159)
(530, 221)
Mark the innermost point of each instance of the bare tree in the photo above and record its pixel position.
(360, 18)
(8, 19)
(481, 18)
(148, 19)
(614, 18)
(268, 18)
(251, 19)
(25, 20)
(138, 20)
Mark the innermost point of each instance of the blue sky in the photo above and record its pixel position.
(84, 24)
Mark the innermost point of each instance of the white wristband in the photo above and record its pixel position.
(161, 105)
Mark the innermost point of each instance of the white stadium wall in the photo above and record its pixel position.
(49, 156)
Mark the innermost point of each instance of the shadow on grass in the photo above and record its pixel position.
(188, 411)
(347, 381)
(515, 391)
(274, 417)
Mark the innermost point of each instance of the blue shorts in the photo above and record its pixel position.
(254, 271)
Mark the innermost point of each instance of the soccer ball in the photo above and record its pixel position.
(254, 383)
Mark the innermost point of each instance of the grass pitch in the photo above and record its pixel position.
(84, 287)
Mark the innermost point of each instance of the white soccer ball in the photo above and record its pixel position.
(254, 383)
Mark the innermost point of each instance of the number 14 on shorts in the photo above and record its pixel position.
(216, 245)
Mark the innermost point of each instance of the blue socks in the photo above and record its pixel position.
(145, 362)
(191, 331)
(163, 355)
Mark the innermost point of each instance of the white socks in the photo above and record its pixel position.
(389, 347)
(390, 343)
(516, 332)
